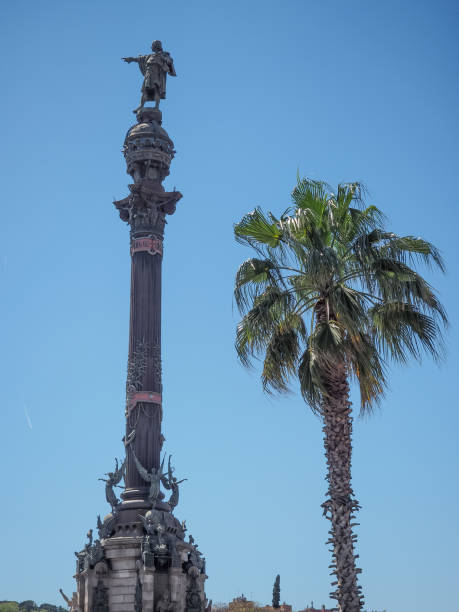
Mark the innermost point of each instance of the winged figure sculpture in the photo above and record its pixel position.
(113, 480)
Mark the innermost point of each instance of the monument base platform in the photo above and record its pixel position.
(152, 570)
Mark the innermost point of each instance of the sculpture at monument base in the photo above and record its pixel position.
(164, 604)
(141, 573)
(100, 597)
(71, 603)
(143, 565)
(113, 480)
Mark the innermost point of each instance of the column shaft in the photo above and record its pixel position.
(144, 365)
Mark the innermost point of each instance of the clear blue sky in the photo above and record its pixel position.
(342, 91)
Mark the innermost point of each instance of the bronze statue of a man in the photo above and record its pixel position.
(154, 67)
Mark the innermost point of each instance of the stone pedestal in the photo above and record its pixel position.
(147, 579)
(122, 555)
(155, 572)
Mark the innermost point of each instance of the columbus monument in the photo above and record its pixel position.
(141, 560)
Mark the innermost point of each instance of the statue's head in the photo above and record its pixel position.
(156, 46)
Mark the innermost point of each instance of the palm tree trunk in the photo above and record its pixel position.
(340, 505)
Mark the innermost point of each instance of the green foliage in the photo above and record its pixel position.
(276, 592)
(330, 285)
(9, 606)
(29, 606)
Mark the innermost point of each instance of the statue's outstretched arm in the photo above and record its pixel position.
(142, 471)
(130, 59)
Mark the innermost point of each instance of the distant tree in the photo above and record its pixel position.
(276, 592)
(27, 605)
(8, 606)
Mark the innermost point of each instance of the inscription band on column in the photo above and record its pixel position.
(154, 246)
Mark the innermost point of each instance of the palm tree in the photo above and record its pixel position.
(330, 298)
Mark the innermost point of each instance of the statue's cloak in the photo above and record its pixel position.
(154, 68)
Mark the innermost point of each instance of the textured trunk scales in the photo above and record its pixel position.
(340, 505)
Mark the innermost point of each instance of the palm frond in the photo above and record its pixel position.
(360, 221)
(257, 228)
(282, 353)
(320, 266)
(252, 277)
(349, 306)
(347, 194)
(409, 248)
(312, 195)
(327, 341)
(395, 281)
(364, 246)
(366, 366)
(400, 329)
(254, 331)
(312, 385)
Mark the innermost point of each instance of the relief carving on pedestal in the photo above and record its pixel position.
(100, 598)
(138, 604)
(165, 604)
(194, 601)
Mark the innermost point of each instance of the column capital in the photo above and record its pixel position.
(146, 207)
